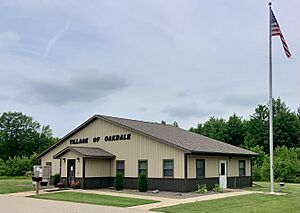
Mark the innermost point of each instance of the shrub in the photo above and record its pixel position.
(56, 179)
(286, 165)
(2, 168)
(218, 188)
(61, 185)
(143, 183)
(17, 166)
(119, 181)
(202, 189)
(75, 184)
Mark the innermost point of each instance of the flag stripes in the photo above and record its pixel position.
(275, 31)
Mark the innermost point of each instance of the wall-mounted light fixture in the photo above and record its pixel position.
(64, 159)
(230, 158)
(78, 159)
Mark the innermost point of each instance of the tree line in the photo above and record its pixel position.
(253, 134)
(21, 140)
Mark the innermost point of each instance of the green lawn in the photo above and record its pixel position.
(106, 200)
(11, 185)
(246, 203)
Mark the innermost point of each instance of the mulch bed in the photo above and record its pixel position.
(175, 195)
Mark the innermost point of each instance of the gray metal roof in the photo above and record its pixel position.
(87, 152)
(187, 140)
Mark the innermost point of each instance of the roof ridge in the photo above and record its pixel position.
(129, 119)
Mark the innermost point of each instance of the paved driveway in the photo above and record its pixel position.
(18, 204)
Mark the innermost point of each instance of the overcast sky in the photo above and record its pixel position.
(64, 61)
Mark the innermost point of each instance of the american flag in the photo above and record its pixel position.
(275, 31)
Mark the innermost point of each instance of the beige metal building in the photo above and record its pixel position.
(173, 159)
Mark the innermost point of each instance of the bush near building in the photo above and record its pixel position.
(143, 183)
(119, 181)
(56, 179)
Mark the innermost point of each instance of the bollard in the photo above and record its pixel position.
(280, 184)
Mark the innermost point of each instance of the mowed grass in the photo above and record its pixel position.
(105, 200)
(11, 185)
(289, 203)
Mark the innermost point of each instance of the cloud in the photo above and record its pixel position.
(56, 37)
(142, 109)
(86, 86)
(187, 111)
(9, 37)
(242, 100)
(4, 97)
(182, 94)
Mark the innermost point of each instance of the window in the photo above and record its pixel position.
(121, 167)
(143, 167)
(200, 168)
(222, 172)
(242, 168)
(168, 166)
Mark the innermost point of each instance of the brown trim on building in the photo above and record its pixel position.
(97, 182)
(251, 164)
(185, 166)
(164, 184)
(83, 173)
(60, 166)
(175, 184)
(239, 182)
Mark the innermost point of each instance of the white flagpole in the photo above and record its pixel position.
(271, 106)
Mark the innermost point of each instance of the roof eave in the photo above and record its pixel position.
(78, 128)
(223, 154)
(99, 157)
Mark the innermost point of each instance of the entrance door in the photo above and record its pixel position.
(223, 173)
(70, 172)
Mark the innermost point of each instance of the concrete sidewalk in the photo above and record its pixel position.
(172, 202)
(20, 204)
(164, 202)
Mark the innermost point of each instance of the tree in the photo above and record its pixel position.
(46, 139)
(257, 128)
(253, 134)
(286, 125)
(235, 130)
(20, 135)
(214, 128)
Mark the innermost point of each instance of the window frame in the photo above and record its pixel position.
(203, 160)
(171, 176)
(120, 161)
(243, 169)
(139, 161)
